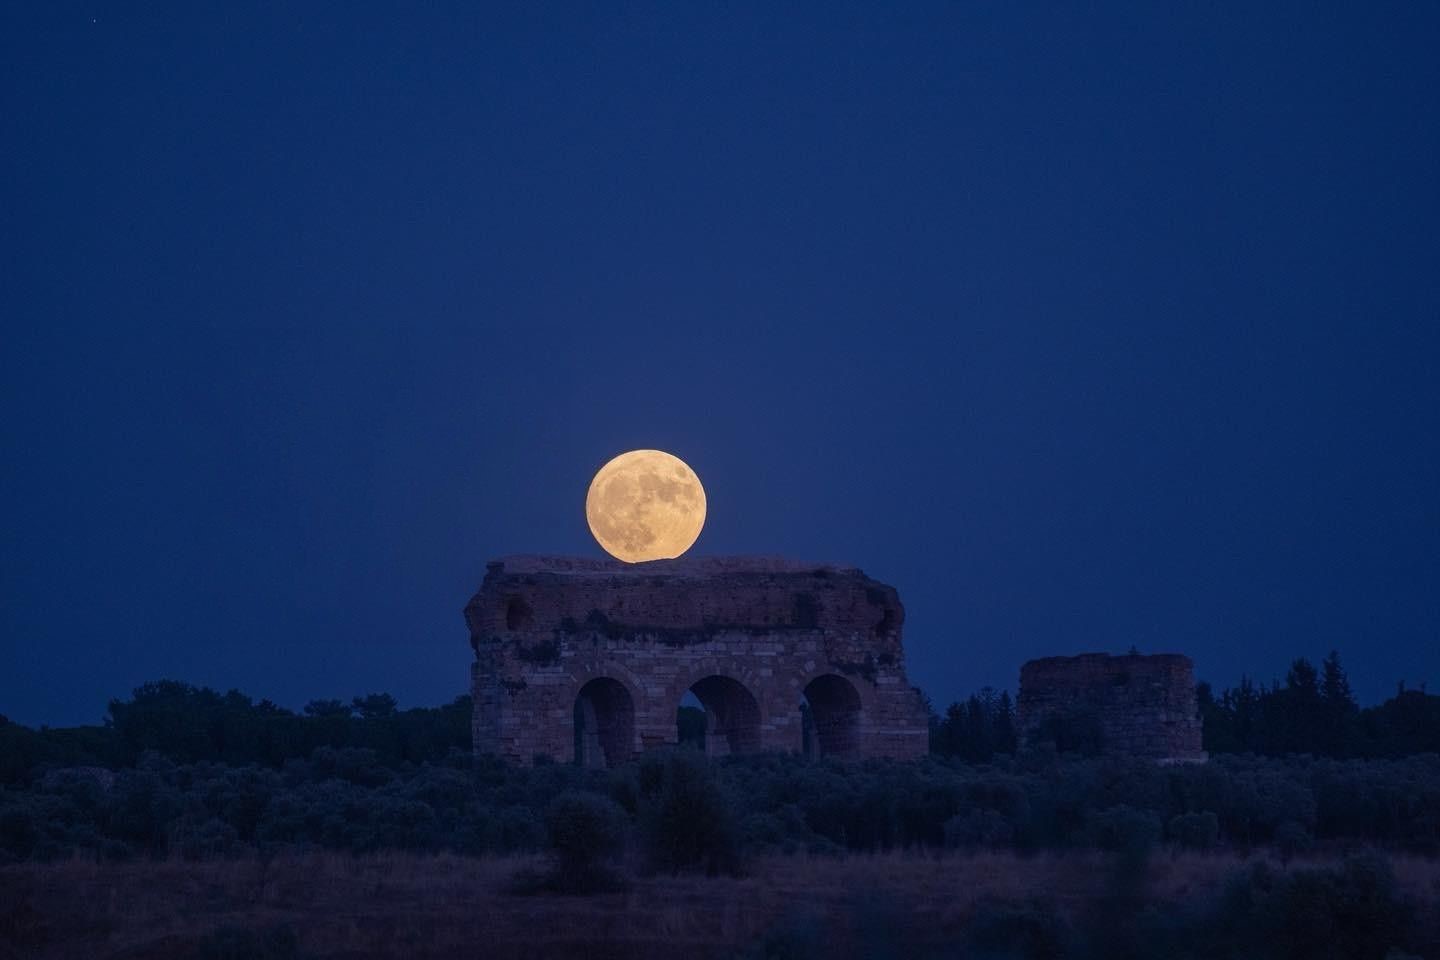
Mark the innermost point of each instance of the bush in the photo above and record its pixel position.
(1195, 831)
(688, 822)
(1125, 828)
(978, 828)
(694, 813)
(204, 841)
(1352, 911)
(587, 832)
(1292, 839)
(1023, 931)
(240, 943)
(141, 806)
(798, 935)
(19, 832)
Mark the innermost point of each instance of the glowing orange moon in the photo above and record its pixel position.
(645, 505)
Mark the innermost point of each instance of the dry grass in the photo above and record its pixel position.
(446, 906)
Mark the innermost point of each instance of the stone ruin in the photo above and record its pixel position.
(1142, 706)
(588, 660)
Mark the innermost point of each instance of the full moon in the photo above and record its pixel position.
(645, 505)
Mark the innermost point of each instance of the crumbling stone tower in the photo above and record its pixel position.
(1136, 705)
(581, 659)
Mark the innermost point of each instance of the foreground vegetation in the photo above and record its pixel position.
(184, 771)
(346, 800)
(980, 905)
(202, 824)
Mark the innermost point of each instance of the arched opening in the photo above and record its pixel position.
(604, 724)
(830, 717)
(732, 716)
(690, 722)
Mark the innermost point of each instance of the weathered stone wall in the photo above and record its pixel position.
(1144, 705)
(562, 642)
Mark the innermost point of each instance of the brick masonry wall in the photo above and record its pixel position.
(1145, 704)
(544, 627)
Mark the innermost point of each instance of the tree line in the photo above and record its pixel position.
(1313, 711)
(188, 724)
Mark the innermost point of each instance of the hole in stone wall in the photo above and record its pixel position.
(518, 614)
(604, 724)
(731, 717)
(690, 721)
(830, 717)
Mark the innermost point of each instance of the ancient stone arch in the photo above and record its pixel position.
(604, 719)
(587, 660)
(733, 715)
(836, 711)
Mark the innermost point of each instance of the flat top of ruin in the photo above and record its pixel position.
(681, 567)
(1102, 658)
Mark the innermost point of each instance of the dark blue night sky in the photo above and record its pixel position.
(1084, 328)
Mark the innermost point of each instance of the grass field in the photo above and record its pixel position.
(328, 905)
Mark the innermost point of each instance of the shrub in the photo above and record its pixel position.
(1195, 831)
(978, 828)
(699, 814)
(586, 833)
(1024, 931)
(515, 829)
(140, 808)
(18, 832)
(688, 822)
(1124, 828)
(240, 943)
(798, 935)
(1352, 911)
(1292, 839)
(206, 840)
